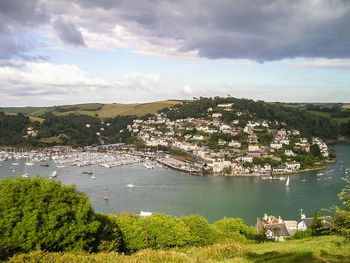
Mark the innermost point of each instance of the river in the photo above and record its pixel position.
(172, 192)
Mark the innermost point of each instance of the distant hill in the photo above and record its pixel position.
(94, 109)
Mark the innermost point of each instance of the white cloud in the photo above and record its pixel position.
(187, 90)
(322, 63)
(46, 84)
(143, 82)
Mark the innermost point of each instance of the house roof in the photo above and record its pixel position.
(307, 221)
(283, 229)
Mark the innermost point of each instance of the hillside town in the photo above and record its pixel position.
(236, 148)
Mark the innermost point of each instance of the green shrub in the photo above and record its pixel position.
(201, 232)
(302, 234)
(132, 230)
(43, 213)
(165, 231)
(109, 235)
(341, 217)
(230, 226)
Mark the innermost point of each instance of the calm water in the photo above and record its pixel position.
(167, 191)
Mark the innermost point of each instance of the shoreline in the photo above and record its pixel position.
(299, 171)
(277, 173)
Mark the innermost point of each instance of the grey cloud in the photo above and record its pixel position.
(11, 63)
(12, 45)
(261, 30)
(68, 33)
(16, 16)
(22, 12)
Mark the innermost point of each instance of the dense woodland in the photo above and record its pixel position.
(72, 130)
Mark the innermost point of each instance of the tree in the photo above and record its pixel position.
(43, 213)
(341, 217)
(317, 225)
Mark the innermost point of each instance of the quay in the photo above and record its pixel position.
(179, 165)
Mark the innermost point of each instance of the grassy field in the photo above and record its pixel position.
(95, 109)
(24, 110)
(113, 110)
(317, 249)
(320, 113)
(33, 119)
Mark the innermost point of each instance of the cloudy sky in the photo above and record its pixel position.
(79, 51)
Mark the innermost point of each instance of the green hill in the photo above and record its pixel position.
(94, 109)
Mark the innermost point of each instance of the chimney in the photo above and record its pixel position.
(302, 216)
(265, 217)
(279, 220)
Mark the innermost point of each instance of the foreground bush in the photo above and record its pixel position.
(341, 216)
(230, 227)
(39, 213)
(201, 232)
(43, 213)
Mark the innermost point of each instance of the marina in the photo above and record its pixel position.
(165, 190)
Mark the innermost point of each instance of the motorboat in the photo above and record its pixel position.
(287, 182)
(130, 185)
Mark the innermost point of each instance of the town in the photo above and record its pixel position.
(236, 148)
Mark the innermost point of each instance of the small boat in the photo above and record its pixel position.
(60, 166)
(29, 163)
(130, 185)
(93, 177)
(54, 174)
(25, 175)
(12, 169)
(15, 163)
(106, 196)
(106, 188)
(44, 165)
(282, 178)
(320, 174)
(287, 182)
(87, 172)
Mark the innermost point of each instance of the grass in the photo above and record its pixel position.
(333, 249)
(107, 110)
(320, 113)
(113, 110)
(316, 249)
(33, 119)
(342, 120)
(24, 110)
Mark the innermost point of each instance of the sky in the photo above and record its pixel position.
(127, 51)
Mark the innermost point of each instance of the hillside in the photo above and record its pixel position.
(339, 112)
(333, 249)
(94, 109)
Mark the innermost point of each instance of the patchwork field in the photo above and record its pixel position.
(92, 109)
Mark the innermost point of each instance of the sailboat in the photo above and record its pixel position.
(287, 183)
(106, 196)
(304, 180)
(25, 175)
(29, 163)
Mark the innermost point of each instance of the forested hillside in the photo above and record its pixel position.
(79, 129)
(307, 123)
